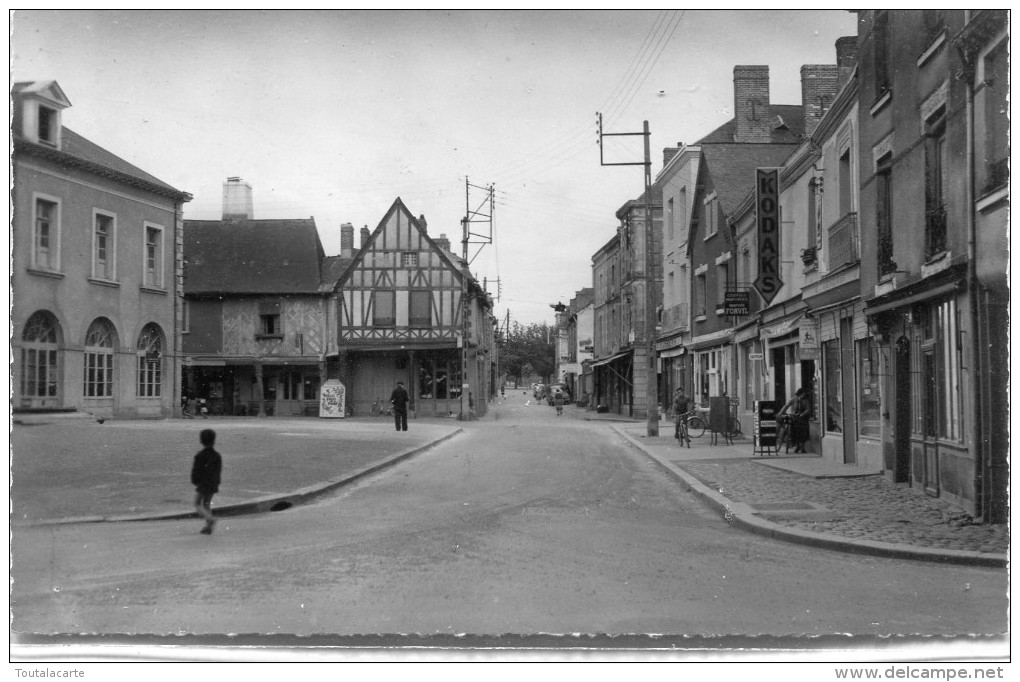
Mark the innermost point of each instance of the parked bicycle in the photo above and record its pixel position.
(784, 432)
(379, 408)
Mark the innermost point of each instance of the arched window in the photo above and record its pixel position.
(39, 371)
(150, 361)
(99, 344)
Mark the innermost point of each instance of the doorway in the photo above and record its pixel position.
(901, 421)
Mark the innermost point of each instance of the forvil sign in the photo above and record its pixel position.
(767, 213)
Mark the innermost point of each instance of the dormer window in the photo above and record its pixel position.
(47, 126)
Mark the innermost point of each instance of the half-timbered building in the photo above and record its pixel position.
(401, 317)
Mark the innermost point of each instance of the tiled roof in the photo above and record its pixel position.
(252, 257)
(791, 114)
(77, 150)
(732, 167)
(333, 267)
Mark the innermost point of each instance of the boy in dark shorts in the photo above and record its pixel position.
(205, 475)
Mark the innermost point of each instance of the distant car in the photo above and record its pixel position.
(539, 391)
(555, 390)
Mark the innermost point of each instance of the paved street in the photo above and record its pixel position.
(526, 523)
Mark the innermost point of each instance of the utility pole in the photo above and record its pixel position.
(651, 383)
(470, 217)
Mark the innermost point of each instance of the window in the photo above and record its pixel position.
(880, 45)
(682, 213)
(833, 387)
(996, 89)
(814, 189)
(99, 344)
(940, 330)
(700, 295)
(669, 218)
(104, 246)
(421, 309)
(47, 126)
(153, 256)
(869, 410)
(935, 178)
(150, 362)
(410, 259)
(185, 316)
(384, 314)
(723, 278)
(845, 184)
(711, 217)
(269, 325)
(46, 240)
(39, 371)
(883, 216)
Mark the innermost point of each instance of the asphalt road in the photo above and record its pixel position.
(529, 523)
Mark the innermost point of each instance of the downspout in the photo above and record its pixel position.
(978, 432)
(178, 294)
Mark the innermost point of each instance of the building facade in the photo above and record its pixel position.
(258, 327)
(933, 188)
(95, 271)
(401, 307)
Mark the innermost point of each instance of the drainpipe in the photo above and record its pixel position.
(982, 492)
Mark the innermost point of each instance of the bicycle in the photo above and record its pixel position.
(784, 432)
(682, 434)
(381, 409)
(695, 425)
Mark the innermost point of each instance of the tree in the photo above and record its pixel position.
(528, 351)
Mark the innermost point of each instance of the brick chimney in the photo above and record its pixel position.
(846, 59)
(751, 109)
(237, 200)
(443, 242)
(817, 90)
(347, 240)
(365, 234)
(668, 153)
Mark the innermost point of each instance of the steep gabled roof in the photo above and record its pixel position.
(252, 257)
(333, 268)
(454, 263)
(731, 167)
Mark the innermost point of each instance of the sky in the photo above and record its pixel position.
(334, 114)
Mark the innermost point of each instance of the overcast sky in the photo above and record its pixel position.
(334, 114)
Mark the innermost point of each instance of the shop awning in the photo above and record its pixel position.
(782, 328)
(603, 361)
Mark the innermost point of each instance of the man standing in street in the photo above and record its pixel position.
(399, 400)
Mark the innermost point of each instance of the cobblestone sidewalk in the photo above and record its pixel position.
(868, 508)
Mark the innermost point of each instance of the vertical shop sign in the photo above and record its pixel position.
(767, 216)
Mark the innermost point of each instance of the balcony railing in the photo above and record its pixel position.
(934, 231)
(675, 318)
(843, 242)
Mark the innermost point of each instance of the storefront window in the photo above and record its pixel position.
(426, 379)
(833, 393)
(867, 372)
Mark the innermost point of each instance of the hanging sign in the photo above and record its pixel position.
(767, 216)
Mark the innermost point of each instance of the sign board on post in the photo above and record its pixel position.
(809, 349)
(765, 426)
(767, 217)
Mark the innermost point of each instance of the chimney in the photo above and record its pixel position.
(846, 59)
(347, 240)
(751, 104)
(443, 242)
(424, 223)
(817, 90)
(365, 234)
(668, 153)
(237, 201)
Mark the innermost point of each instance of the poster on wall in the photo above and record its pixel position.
(809, 338)
(333, 400)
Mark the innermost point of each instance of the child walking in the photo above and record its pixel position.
(205, 476)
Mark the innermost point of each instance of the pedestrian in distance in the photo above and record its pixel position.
(205, 476)
(799, 409)
(681, 405)
(190, 406)
(399, 399)
(558, 402)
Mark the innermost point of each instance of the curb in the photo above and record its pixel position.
(740, 515)
(259, 505)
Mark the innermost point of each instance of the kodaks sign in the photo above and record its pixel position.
(767, 215)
